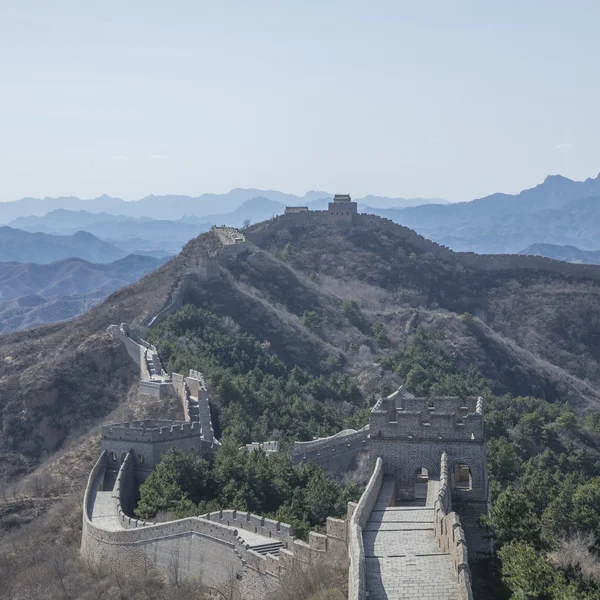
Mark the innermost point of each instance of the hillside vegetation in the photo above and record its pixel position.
(300, 334)
(529, 331)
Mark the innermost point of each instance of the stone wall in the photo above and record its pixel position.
(449, 533)
(358, 517)
(193, 394)
(402, 458)
(134, 350)
(247, 521)
(229, 235)
(210, 548)
(179, 388)
(337, 453)
(157, 389)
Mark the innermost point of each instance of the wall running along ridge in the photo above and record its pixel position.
(193, 395)
(337, 453)
(404, 433)
(153, 380)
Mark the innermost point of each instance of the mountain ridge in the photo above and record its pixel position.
(22, 246)
(34, 294)
(566, 253)
(394, 276)
(169, 206)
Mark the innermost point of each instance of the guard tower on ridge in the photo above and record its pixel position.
(342, 209)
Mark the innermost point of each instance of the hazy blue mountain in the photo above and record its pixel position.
(31, 294)
(558, 211)
(565, 253)
(64, 221)
(173, 207)
(130, 234)
(255, 209)
(29, 311)
(386, 202)
(72, 276)
(22, 246)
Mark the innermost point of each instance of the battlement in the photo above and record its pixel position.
(272, 446)
(404, 416)
(254, 523)
(150, 431)
(199, 377)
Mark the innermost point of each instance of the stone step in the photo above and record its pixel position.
(272, 548)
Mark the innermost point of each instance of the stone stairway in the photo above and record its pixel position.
(402, 557)
(193, 410)
(272, 548)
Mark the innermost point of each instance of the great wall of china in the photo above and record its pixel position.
(401, 540)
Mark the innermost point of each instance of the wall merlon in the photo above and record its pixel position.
(317, 542)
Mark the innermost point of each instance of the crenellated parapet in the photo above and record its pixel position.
(412, 433)
(272, 447)
(337, 453)
(150, 431)
(148, 440)
(153, 380)
(449, 533)
(450, 418)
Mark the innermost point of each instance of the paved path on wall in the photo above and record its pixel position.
(103, 511)
(403, 559)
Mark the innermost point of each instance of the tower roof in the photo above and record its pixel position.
(342, 198)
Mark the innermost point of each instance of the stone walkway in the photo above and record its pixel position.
(103, 511)
(403, 559)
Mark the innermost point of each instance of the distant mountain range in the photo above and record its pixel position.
(22, 246)
(565, 253)
(32, 294)
(176, 207)
(138, 235)
(558, 211)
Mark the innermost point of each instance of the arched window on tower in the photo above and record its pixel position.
(461, 478)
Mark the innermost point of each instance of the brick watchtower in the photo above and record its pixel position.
(342, 209)
(410, 434)
(149, 440)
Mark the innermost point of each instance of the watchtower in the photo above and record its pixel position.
(410, 434)
(342, 209)
(149, 440)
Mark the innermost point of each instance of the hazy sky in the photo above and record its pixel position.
(432, 98)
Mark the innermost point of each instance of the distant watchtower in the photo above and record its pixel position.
(342, 209)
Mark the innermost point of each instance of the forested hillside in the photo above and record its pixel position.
(300, 332)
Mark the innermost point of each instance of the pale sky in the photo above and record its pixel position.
(434, 98)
